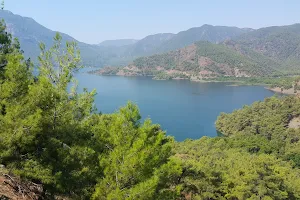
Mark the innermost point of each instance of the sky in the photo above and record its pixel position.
(93, 21)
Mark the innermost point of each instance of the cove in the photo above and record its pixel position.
(184, 109)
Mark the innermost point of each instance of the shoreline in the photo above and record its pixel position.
(176, 78)
(286, 92)
(235, 83)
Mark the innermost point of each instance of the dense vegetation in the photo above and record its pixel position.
(254, 66)
(280, 43)
(217, 59)
(259, 157)
(223, 168)
(53, 136)
(60, 141)
(267, 124)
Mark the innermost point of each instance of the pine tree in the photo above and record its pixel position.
(134, 156)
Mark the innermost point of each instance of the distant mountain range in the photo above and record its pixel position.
(113, 52)
(272, 51)
(30, 34)
(224, 51)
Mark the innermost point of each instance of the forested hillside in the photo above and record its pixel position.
(200, 61)
(280, 43)
(270, 127)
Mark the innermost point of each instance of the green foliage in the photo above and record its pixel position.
(270, 117)
(165, 60)
(133, 157)
(61, 70)
(41, 137)
(162, 76)
(108, 71)
(214, 170)
(54, 137)
(8, 46)
(265, 127)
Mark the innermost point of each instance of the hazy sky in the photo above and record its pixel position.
(93, 21)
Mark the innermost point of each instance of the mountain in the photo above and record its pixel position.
(164, 42)
(214, 34)
(277, 46)
(270, 51)
(149, 44)
(30, 34)
(117, 43)
(198, 61)
(279, 43)
(112, 52)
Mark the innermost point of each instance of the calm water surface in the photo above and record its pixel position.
(184, 109)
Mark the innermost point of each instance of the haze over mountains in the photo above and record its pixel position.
(227, 51)
(271, 51)
(117, 43)
(117, 52)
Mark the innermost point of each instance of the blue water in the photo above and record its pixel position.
(184, 109)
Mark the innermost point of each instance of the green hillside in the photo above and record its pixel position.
(200, 61)
(280, 43)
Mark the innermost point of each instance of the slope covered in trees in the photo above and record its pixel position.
(280, 43)
(203, 60)
(268, 123)
(222, 168)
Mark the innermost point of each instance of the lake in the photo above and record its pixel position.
(184, 109)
